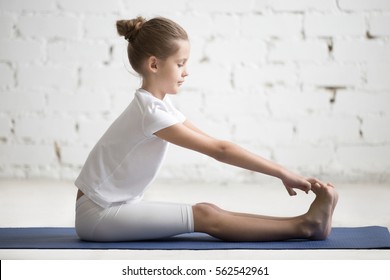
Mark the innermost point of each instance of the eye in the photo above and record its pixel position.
(181, 63)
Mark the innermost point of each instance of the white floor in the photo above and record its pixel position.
(51, 203)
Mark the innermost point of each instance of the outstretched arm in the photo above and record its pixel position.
(188, 136)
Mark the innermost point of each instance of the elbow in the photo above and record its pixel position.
(221, 150)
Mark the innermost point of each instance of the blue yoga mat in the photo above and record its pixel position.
(372, 237)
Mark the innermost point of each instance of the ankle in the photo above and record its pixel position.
(309, 228)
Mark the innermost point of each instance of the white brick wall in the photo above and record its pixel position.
(303, 82)
(334, 25)
(18, 50)
(378, 25)
(41, 26)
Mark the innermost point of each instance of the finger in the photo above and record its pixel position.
(290, 191)
(331, 185)
(312, 180)
(307, 186)
(316, 182)
(322, 184)
(303, 185)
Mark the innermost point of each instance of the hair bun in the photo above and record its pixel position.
(130, 28)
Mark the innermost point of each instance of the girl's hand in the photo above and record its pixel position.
(293, 181)
(318, 183)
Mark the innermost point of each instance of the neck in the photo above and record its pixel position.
(153, 90)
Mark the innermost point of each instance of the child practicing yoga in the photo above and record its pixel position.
(124, 162)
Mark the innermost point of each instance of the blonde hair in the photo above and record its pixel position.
(155, 37)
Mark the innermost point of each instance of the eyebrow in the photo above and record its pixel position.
(182, 59)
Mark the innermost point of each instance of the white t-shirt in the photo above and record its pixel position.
(127, 158)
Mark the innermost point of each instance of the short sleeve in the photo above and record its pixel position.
(158, 116)
(179, 115)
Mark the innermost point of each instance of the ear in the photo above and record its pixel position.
(152, 64)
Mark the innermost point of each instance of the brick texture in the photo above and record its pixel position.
(305, 83)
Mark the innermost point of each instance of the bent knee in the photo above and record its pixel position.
(205, 216)
(206, 209)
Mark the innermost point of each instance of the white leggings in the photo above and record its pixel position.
(135, 221)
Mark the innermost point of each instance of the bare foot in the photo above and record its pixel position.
(318, 220)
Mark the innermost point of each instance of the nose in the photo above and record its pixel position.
(185, 73)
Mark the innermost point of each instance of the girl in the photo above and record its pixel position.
(126, 159)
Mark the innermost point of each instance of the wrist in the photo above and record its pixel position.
(280, 172)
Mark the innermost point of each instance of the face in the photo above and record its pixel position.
(172, 71)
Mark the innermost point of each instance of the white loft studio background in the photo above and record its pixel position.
(304, 83)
